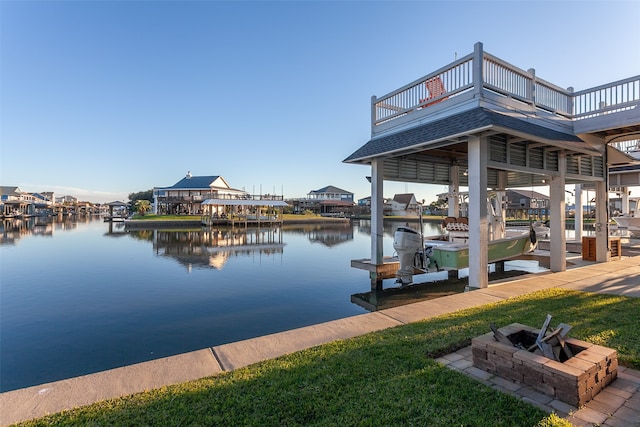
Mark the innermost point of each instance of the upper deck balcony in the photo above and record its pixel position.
(480, 79)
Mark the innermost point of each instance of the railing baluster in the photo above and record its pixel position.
(508, 80)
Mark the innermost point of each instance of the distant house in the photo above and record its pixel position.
(329, 201)
(10, 193)
(16, 202)
(44, 202)
(47, 198)
(66, 200)
(526, 204)
(365, 202)
(186, 196)
(402, 205)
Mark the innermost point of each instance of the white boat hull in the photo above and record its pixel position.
(631, 223)
(440, 254)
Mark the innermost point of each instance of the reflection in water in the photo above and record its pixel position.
(211, 248)
(394, 297)
(93, 299)
(430, 227)
(439, 284)
(327, 234)
(14, 229)
(116, 229)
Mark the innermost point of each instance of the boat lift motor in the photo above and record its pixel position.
(408, 245)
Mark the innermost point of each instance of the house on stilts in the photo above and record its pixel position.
(482, 123)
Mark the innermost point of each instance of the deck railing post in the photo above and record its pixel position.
(531, 86)
(478, 80)
(373, 113)
(570, 101)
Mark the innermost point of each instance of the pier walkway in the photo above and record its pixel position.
(617, 405)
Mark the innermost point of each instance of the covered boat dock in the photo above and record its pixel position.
(483, 124)
(256, 210)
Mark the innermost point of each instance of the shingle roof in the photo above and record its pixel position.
(330, 189)
(530, 194)
(195, 182)
(465, 122)
(404, 199)
(5, 190)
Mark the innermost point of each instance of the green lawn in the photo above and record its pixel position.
(387, 378)
(285, 218)
(154, 217)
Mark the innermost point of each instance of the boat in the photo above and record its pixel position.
(629, 222)
(541, 228)
(450, 250)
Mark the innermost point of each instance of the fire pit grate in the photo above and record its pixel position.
(567, 369)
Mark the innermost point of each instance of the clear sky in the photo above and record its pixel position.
(104, 98)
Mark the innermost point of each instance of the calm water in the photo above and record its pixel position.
(82, 297)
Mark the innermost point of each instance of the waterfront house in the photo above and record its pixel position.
(365, 202)
(186, 195)
(43, 203)
(482, 123)
(327, 201)
(525, 204)
(402, 205)
(16, 202)
(66, 200)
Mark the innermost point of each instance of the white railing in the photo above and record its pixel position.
(610, 98)
(453, 79)
(506, 79)
(498, 76)
(632, 146)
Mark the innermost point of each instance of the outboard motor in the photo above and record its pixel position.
(408, 245)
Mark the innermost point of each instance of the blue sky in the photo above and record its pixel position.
(100, 99)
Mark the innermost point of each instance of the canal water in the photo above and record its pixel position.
(79, 296)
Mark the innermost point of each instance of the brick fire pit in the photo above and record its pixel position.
(575, 380)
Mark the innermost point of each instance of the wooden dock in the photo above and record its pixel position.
(241, 221)
(114, 219)
(386, 270)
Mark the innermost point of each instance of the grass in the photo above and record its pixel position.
(285, 218)
(379, 379)
(154, 217)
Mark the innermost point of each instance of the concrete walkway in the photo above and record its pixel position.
(617, 405)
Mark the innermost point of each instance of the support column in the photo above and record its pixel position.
(578, 215)
(502, 194)
(377, 202)
(603, 253)
(478, 222)
(454, 189)
(558, 239)
(625, 200)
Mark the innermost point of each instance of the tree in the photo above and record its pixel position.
(438, 207)
(141, 195)
(142, 206)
